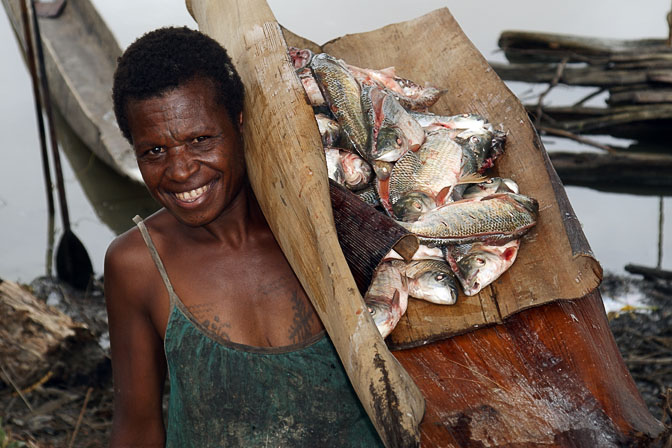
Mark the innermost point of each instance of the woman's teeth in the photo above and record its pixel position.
(191, 196)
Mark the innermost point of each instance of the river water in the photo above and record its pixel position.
(621, 228)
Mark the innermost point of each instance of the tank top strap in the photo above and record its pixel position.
(157, 259)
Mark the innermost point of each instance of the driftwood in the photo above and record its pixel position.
(649, 272)
(616, 171)
(40, 343)
(641, 122)
(590, 75)
(523, 47)
(637, 75)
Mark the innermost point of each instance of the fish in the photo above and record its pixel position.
(342, 94)
(392, 130)
(433, 281)
(330, 130)
(410, 95)
(490, 186)
(300, 57)
(347, 168)
(334, 168)
(369, 195)
(313, 92)
(387, 296)
(425, 180)
(422, 253)
(496, 218)
(473, 131)
(358, 173)
(480, 264)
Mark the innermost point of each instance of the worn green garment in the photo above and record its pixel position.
(224, 394)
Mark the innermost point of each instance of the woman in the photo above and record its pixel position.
(204, 280)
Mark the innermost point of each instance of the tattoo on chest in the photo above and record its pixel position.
(208, 319)
(300, 330)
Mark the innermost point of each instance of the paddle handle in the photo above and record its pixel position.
(46, 100)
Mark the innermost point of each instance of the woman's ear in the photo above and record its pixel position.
(240, 119)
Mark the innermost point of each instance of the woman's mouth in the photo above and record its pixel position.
(192, 195)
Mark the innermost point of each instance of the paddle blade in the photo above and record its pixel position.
(73, 265)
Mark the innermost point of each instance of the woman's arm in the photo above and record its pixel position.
(138, 361)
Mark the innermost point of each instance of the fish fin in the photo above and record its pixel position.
(395, 297)
(443, 195)
(471, 178)
(509, 253)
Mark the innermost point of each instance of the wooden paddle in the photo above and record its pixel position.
(287, 170)
(30, 59)
(73, 264)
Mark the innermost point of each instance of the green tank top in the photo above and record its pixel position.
(224, 394)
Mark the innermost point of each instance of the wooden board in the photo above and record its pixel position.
(287, 171)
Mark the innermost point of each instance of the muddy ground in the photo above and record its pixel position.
(78, 413)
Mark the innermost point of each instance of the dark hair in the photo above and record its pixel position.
(167, 58)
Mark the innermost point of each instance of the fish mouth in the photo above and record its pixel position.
(193, 195)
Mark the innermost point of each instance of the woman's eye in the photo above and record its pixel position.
(199, 139)
(156, 150)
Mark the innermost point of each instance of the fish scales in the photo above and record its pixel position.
(342, 93)
(435, 166)
(471, 220)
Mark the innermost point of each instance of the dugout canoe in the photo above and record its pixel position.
(80, 56)
(531, 360)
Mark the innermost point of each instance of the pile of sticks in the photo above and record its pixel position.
(637, 78)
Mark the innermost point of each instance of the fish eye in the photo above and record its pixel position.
(474, 139)
(440, 277)
(399, 142)
(480, 261)
(372, 311)
(417, 205)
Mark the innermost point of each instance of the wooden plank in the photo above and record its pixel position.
(287, 171)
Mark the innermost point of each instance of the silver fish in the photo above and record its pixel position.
(330, 130)
(392, 131)
(433, 281)
(347, 168)
(300, 57)
(496, 218)
(481, 264)
(387, 296)
(309, 84)
(410, 95)
(490, 186)
(342, 93)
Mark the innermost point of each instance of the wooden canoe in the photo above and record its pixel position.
(80, 55)
(545, 370)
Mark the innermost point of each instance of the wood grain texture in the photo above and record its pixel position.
(548, 376)
(287, 170)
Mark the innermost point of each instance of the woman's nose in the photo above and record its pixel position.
(182, 165)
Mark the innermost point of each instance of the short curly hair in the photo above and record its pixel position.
(165, 58)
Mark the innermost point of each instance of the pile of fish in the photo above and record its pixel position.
(424, 170)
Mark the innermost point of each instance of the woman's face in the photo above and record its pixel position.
(189, 152)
